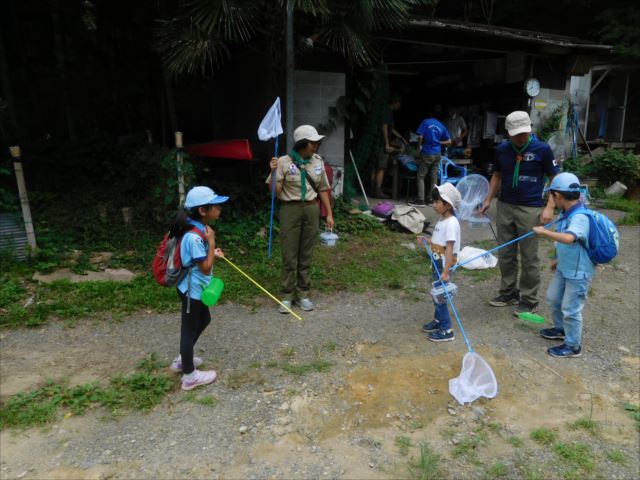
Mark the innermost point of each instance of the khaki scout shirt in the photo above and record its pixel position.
(288, 175)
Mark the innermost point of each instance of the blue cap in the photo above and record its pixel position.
(565, 182)
(199, 196)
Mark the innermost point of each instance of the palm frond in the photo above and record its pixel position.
(187, 49)
(315, 8)
(358, 46)
(232, 20)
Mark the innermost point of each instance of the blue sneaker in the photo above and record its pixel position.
(431, 326)
(564, 351)
(552, 333)
(441, 336)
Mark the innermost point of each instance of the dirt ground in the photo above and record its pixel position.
(385, 382)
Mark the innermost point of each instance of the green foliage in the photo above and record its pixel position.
(318, 365)
(553, 123)
(576, 453)
(544, 436)
(426, 467)
(634, 411)
(138, 391)
(585, 423)
(497, 470)
(632, 207)
(516, 442)
(617, 456)
(615, 165)
(8, 199)
(206, 400)
(404, 444)
(620, 27)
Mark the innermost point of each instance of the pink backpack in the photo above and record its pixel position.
(383, 209)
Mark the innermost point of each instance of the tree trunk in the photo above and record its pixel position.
(62, 73)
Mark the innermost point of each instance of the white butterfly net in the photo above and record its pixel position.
(473, 190)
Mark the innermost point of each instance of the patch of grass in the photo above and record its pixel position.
(495, 428)
(468, 446)
(255, 365)
(576, 454)
(426, 467)
(151, 363)
(206, 400)
(330, 346)
(237, 379)
(497, 470)
(617, 456)
(317, 365)
(291, 392)
(634, 411)
(138, 391)
(272, 363)
(585, 423)
(288, 352)
(544, 436)
(515, 442)
(403, 444)
(631, 207)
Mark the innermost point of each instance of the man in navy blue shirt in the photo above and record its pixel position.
(521, 166)
(432, 136)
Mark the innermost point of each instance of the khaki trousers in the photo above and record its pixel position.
(514, 221)
(299, 225)
(427, 167)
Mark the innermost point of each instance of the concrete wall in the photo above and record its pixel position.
(314, 93)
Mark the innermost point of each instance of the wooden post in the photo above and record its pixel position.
(179, 146)
(24, 199)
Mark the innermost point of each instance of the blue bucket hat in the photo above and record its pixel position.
(565, 182)
(199, 196)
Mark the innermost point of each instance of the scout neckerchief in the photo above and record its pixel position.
(519, 157)
(300, 163)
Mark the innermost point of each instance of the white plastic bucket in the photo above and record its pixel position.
(328, 239)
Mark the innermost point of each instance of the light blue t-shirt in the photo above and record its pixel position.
(573, 260)
(193, 250)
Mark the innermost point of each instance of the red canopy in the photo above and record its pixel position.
(237, 149)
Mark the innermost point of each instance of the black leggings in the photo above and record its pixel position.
(193, 324)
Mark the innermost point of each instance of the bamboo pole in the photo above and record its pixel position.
(179, 161)
(24, 199)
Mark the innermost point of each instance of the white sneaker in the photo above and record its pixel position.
(305, 304)
(176, 364)
(281, 309)
(197, 378)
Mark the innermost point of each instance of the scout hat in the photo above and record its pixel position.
(517, 122)
(306, 132)
(450, 194)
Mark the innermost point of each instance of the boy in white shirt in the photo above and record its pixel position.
(445, 246)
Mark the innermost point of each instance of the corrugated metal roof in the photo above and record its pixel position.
(13, 237)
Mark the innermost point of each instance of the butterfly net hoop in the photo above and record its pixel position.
(473, 189)
(476, 380)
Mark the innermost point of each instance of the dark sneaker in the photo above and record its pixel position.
(431, 326)
(564, 351)
(441, 336)
(552, 333)
(505, 300)
(417, 202)
(525, 307)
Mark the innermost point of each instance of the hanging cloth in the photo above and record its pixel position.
(300, 163)
(519, 157)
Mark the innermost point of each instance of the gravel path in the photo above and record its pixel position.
(385, 381)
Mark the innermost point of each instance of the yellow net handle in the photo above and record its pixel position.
(260, 287)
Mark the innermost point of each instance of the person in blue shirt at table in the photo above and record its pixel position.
(432, 136)
(572, 267)
(520, 168)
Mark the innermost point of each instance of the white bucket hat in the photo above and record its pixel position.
(450, 194)
(517, 122)
(306, 132)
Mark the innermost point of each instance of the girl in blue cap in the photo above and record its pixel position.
(197, 254)
(572, 267)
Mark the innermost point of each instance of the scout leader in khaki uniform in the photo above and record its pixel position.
(299, 212)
